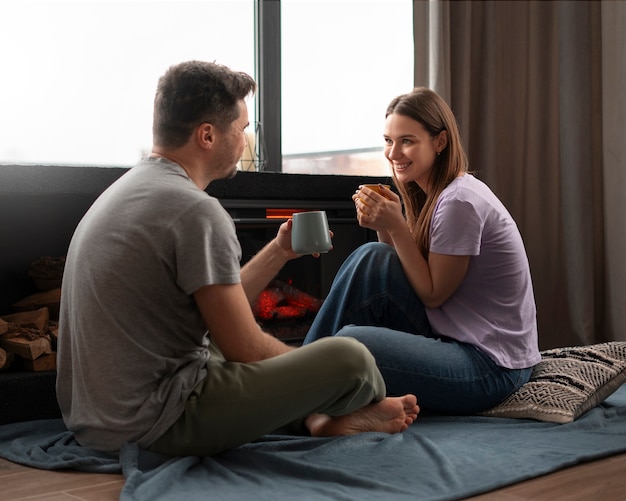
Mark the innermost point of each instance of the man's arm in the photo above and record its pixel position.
(265, 265)
(226, 308)
(232, 327)
(261, 269)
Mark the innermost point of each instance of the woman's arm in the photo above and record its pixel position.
(384, 237)
(434, 280)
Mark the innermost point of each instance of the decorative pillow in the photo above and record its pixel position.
(567, 383)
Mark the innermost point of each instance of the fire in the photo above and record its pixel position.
(281, 213)
(281, 301)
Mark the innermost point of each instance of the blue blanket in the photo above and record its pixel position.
(438, 458)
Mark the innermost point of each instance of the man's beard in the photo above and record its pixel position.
(233, 173)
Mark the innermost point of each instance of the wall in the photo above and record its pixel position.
(40, 207)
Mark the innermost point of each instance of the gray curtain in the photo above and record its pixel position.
(538, 89)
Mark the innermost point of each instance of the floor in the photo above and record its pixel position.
(20, 482)
(600, 480)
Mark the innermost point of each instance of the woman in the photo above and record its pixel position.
(444, 300)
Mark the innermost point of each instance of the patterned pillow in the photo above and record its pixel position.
(567, 383)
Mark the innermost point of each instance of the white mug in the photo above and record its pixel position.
(310, 233)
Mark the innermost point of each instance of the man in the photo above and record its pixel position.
(157, 341)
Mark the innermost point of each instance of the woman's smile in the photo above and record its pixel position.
(398, 167)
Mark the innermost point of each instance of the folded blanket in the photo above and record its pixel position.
(48, 445)
(437, 458)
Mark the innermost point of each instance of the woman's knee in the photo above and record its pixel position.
(372, 252)
(376, 259)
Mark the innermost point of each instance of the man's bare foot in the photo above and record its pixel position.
(391, 415)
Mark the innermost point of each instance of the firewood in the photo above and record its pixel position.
(47, 272)
(39, 318)
(28, 347)
(53, 333)
(42, 363)
(53, 329)
(49, 299)
(4, 326)
(6, 359)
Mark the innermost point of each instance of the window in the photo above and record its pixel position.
(79, 76)
(342, 63)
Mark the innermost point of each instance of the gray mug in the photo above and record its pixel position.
(310, 233)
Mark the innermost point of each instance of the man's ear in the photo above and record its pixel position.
(205, 135)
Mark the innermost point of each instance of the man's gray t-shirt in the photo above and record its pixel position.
(132, 342)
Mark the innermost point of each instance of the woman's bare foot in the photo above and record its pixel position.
(391, 415)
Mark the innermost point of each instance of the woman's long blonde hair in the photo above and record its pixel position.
(428, 108)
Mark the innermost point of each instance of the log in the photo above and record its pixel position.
(6, 359)
(25, 347)
(39, 318)
(42, 363)
(49, 299)
(47, 272)
(4, 326)
(53, 333)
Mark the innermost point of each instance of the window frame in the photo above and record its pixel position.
(267, 62)
(268, 70)
(267, 65)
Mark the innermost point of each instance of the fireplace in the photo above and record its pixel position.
(41, 205)
(289, 304)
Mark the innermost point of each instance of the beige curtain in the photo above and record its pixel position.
(614, 158)
(538, 89)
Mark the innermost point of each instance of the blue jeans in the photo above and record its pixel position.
(372, 301)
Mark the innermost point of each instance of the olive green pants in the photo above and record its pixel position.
(238, 403)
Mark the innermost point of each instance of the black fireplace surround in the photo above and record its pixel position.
(41, 205)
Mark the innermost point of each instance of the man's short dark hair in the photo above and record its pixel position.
(194, 92)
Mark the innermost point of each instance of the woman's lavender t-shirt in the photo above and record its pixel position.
(494, 307)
